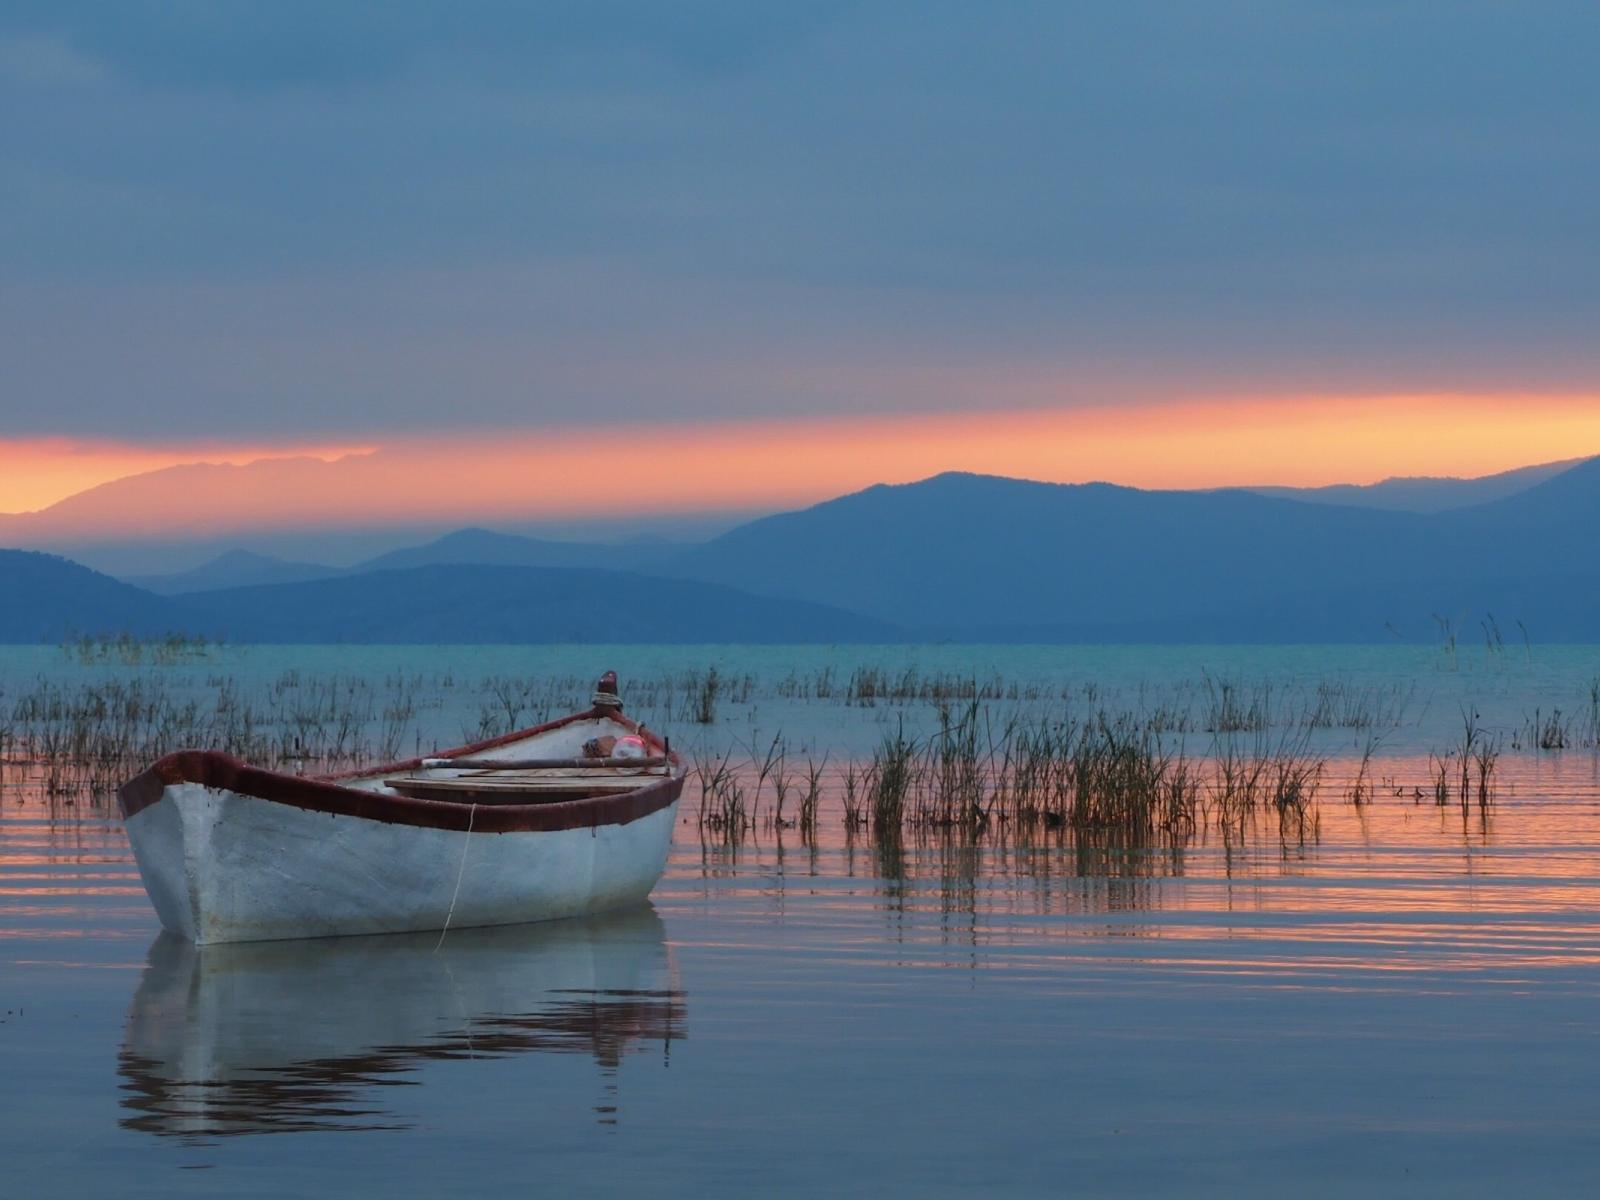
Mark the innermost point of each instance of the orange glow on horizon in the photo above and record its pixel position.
(38, 472)
(625, 470)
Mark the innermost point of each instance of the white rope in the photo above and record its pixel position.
(460, 871)
(606, 700)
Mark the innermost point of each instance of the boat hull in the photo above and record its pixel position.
(223, 865)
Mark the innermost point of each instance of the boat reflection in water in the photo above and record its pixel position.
(266, 1037)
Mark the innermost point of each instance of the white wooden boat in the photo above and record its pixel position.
(543, 823)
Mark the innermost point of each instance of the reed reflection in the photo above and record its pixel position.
(273, 1037)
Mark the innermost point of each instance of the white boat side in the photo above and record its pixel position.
(231, 853)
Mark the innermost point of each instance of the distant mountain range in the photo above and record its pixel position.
(496, 605)
(235, 568)
(1425, 494)
(476, 547)
(49, 599)
(974, 557)
(959, 557)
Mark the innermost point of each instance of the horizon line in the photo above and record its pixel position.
(608, 473)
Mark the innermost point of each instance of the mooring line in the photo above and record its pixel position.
(472, 815)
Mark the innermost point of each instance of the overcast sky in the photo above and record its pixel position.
(308, 219)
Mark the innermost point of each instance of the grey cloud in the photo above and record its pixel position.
(1218, 189)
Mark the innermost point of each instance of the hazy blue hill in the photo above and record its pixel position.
(1555, 502)
(46, 599)
(1425, 494)
(486, 604)
(483, 547)
(966, 550)
(236, 568)
(1551, 529)
(465, 547)
(976, 557)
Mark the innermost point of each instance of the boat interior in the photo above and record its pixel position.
(579, 761)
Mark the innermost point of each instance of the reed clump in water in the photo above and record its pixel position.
(1441, 774)
(855, 785)
(723, 809)
(128, 650)
(1360, 791)
(1124, 779)
(1108, 773)
(956, 770)
(1230, 708)
(511, 703)
(1485, 761)
(1278, 777)
(1546, 731)
(889, 780)
(1466, 773)
(870, 685)
(811, 797)
(1480, 758)
(771, 764)
(1342, 704)
(704, 697)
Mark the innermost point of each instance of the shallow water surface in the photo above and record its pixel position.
(1405, 1001)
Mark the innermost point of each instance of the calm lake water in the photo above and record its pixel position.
(1404, 1002)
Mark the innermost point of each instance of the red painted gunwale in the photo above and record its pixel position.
(325, 794)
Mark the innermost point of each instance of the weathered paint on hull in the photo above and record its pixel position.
(221, 866)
